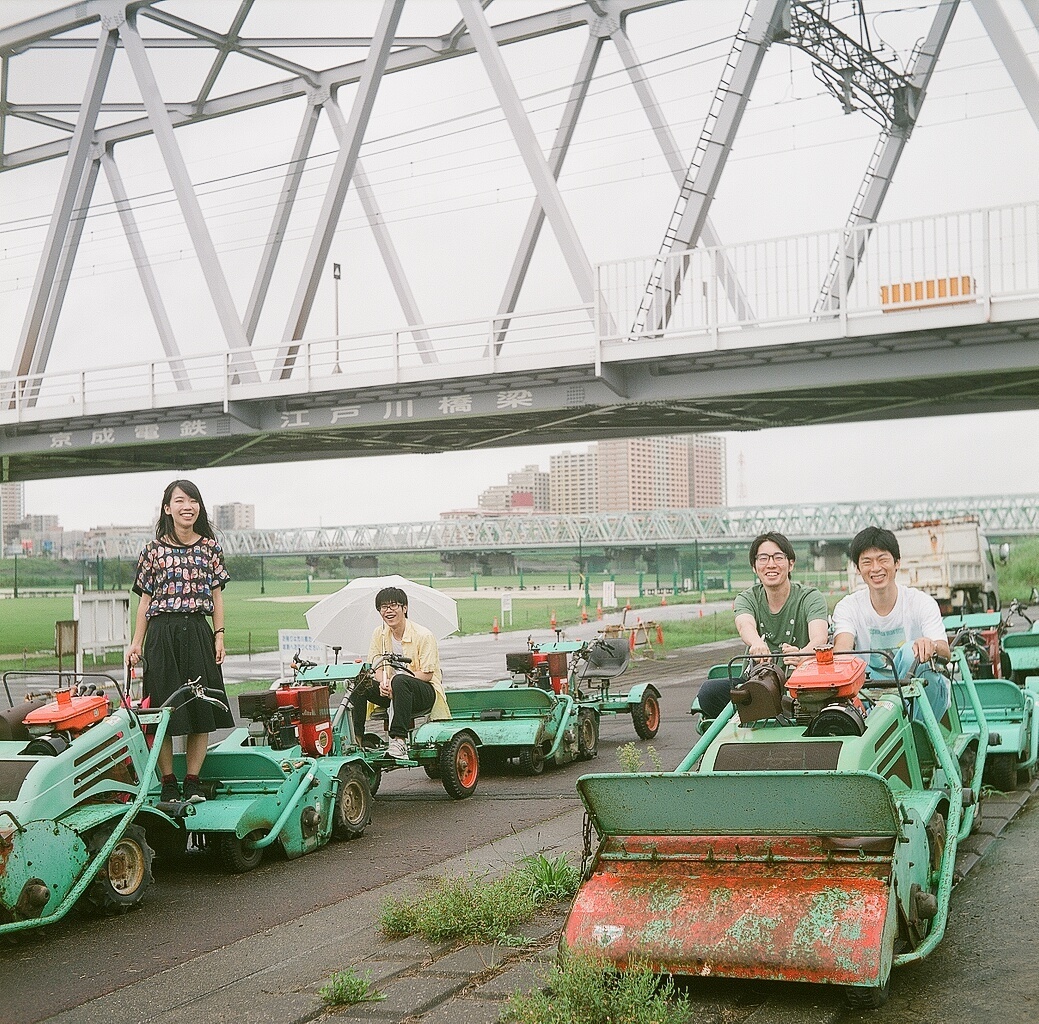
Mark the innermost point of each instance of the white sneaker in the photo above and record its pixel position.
(397, 749)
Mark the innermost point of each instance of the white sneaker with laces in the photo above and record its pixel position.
(397, 749)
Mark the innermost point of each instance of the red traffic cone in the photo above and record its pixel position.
(584, 614)
(700, 610)
(598, 611)
(627, 606)
(660, 634)
(552, 621)
(631, 639)
(663, 601)
(494, 629)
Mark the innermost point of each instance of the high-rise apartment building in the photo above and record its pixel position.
(12, 511)
(707, 471)
(573, 483)
(234, 516)
(640, 474)
(526, 491)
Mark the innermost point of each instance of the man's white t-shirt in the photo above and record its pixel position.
(914, 615)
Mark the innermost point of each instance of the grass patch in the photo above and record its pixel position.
(587, 990)
(345, 988)
(474, 908)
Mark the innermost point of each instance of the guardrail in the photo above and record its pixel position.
(971, 258)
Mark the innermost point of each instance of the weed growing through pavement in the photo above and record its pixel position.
(475, 908)
(345, 988)
(630, 757)
(553, 880)
(588, 990)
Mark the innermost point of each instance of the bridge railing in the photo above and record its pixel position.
(971, 258)
(547, 338)
(961, 258)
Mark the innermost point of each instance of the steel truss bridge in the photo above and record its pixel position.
(928, 316)
(1015, 515)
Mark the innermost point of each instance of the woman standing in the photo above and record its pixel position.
(180, 580)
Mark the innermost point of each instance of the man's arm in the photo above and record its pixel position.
(747, 627)
(818, 636)
(844, 642)
(932, 643)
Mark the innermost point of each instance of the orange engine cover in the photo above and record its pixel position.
(67, 713)
(836, 676)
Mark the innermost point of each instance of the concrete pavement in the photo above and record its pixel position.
(274, 977)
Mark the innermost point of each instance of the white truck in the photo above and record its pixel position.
(950, 559)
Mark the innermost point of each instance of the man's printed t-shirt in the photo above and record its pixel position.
(914, 615)
(790, 624)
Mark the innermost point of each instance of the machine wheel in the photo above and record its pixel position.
(460, 767)
(376, 782)
(1001, 772)
(234, 855)
(353, 806)
(432, 769)
(858, 998)
(645, 716)
(532, 760)
(587, 734)
(126, 875)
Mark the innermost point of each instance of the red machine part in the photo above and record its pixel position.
(67, 713)
(555, 666)
(827, 676)
(311, 716)
(794, 908)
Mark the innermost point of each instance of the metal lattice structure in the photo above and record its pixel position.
(698, 349)
(999, 516)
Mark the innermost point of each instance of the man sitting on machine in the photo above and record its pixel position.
(888, 616)
(775, 616)
(419, 690)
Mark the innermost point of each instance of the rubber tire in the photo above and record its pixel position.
(376, 782)
(460, 766)
(587, 734)
(352, 812)
(532, 760)
(645, 716)
(857, 997)
(130, 862)
(1001, 772)
(233, 855)
(432, 770)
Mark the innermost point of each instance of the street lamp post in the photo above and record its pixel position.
(336, 275)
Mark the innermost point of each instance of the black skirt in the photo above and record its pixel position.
(179, 649)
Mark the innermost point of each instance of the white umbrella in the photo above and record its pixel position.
(348, 617)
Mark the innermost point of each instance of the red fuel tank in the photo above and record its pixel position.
(828, 675)
(67, 713)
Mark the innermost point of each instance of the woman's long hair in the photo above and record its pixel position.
(164, 527)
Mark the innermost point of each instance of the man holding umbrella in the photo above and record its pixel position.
(418, 691)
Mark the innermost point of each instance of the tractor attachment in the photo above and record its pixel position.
(810, 835)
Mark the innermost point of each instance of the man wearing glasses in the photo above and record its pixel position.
(775, 616)
(888, 616)
(418, 691)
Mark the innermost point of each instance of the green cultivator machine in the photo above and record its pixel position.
(810, 835)
(78, 799)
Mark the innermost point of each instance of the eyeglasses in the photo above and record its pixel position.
(779, 558)
(390, 604)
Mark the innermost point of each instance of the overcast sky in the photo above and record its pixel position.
(452, 190)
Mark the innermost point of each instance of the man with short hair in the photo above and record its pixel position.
(417, 691)
(889, 616)
(775, 616)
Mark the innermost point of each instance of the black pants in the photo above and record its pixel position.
(714, 696)
(411, 697)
